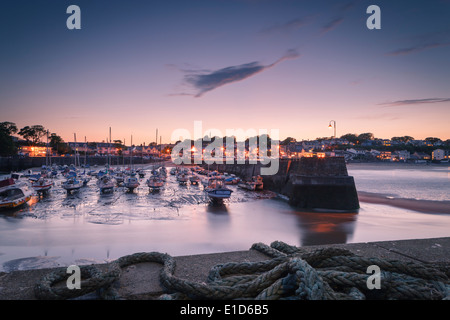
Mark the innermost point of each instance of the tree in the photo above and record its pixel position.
(8, 127)
(33, 134)
(7, 145)
(350, 137)
(365, 136)
(404, 139)
(432, 140)
(288, 140)
(55, 140)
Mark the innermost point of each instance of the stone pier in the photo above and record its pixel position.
(309, 183)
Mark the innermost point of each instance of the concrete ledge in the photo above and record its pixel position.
(141, 281)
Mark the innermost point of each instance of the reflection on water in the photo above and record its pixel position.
(325, 228)
(87, 227)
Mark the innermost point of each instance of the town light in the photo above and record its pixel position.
(334, 126)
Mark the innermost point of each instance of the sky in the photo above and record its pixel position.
(139, 66)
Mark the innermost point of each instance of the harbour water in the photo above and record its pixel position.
(60, 229)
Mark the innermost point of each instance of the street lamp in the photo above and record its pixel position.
(334, 125)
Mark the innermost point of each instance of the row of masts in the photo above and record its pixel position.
(77, 156)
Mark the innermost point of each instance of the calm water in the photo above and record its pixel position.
(87, 227)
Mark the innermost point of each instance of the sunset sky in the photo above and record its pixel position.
(137, 66)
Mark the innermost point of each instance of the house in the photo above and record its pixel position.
(32, 151)
(81, 147)
(421, 156)
(107, 148)
(401, 155)
(418, 143)
(385, 155)
(440, 154)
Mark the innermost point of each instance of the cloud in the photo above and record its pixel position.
(414, 101)
(384, 116)
(206, 81)
(289, 26)
(418, 48)
(332, 24)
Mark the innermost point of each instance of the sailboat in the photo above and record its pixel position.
(131, 182)
(217, 191)
(72, 184)
(155, 181)
(194, 179)
(42, 185)
(106, 184)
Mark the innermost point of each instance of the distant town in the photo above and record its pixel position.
(36, 141)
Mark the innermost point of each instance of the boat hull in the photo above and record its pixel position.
(15, 203)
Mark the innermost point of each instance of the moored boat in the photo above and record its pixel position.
(194, 179)
(155, 182)
(42, 185)
(217, 191)
(14, 194)
(106, 184)
(72, 184)
(131, 183)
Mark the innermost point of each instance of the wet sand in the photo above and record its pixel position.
(424, 206)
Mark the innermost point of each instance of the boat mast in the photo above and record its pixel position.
(85, 151)
(46, 153)
(131, 154)
(76, 148)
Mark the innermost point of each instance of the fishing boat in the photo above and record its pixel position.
(42, 185)
(217, 191)
(14, 194)
(155, 182)
(131, 183)
(72, 184)
(106, 184)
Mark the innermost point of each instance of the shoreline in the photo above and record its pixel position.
(424, 206)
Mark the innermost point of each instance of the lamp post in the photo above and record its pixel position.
(334, 126)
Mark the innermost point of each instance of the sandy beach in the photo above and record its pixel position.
(425, 206)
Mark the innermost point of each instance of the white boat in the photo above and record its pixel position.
(14, 194)
(72, 184)
(131, 183)
(42, 185)
(217, 191)
(106, 184)
(155, 182)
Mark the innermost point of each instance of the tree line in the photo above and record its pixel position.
(32, 135)
(359, 139)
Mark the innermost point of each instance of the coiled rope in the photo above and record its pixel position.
(291, 273)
